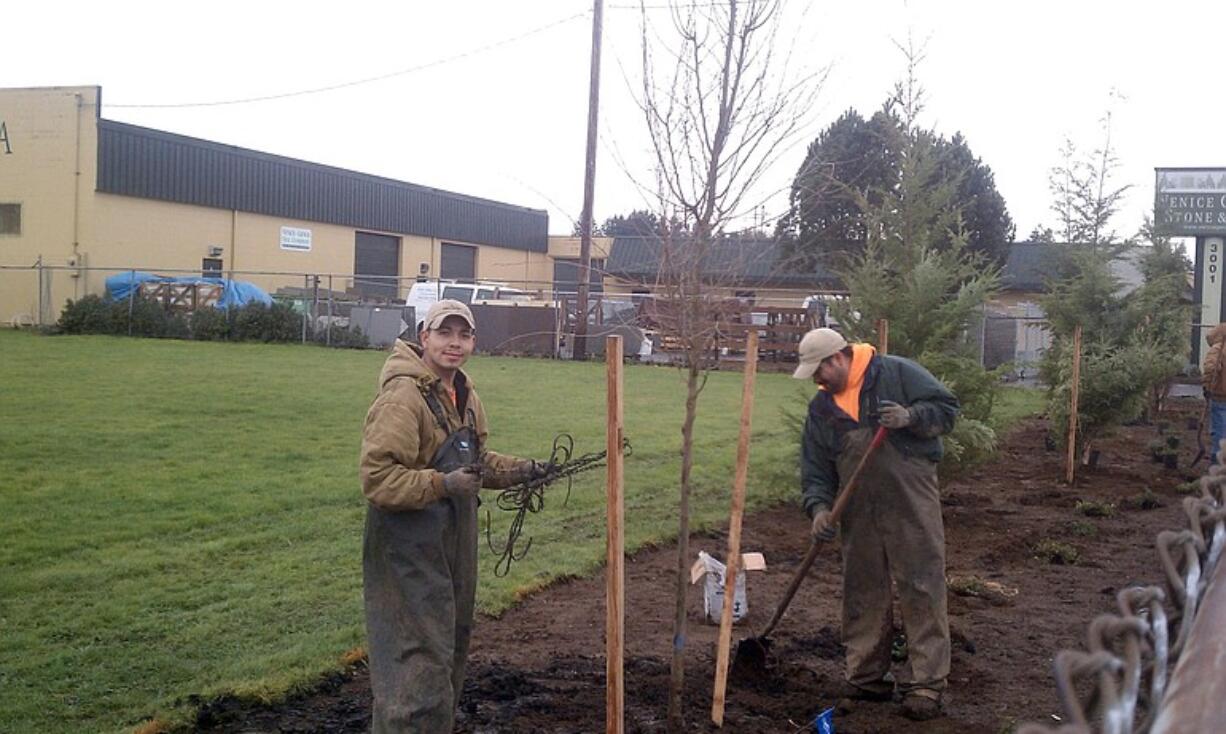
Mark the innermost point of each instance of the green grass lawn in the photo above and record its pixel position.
(184, 518)
(1014, 403)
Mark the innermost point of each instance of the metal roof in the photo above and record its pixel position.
(762, 263)
(730, 261)
(152, 164)
(1032, 265)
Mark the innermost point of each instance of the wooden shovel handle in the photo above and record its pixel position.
(840, 504)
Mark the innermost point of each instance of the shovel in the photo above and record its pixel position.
(751, 653)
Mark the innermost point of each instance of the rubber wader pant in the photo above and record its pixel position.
(419, 572)
(892, 529)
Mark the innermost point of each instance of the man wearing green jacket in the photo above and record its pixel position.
(891, 529)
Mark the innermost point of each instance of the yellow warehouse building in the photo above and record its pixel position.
(88, 197)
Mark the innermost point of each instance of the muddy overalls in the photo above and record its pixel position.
(892, 531)
(420, 569)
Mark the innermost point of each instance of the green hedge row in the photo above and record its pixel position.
(253, 322)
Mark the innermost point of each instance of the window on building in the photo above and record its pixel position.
(10, 218)
(458, 262)
(566, 276)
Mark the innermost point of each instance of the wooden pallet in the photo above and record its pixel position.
(185, 297)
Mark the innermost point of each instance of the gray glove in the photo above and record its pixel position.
(894, 416)
(823, 529)
(463, 482)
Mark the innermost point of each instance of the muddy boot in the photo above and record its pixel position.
(918, 707)
(852, 696)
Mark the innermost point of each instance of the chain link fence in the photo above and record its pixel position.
(516, 316)
(542, 319)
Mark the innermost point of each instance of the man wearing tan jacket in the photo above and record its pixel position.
(419, 555)
(1214, 381)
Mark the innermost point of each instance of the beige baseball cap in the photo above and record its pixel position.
(817, 345)
(440, 310)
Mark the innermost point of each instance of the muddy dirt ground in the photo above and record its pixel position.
(540, 667)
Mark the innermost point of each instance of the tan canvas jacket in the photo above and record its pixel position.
(1214, 377)
(401, 436)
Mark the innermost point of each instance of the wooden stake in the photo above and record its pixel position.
(883, 336)
(1072, 408)
(615, 605)
(734, 530)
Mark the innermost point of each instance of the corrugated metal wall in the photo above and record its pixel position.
(515, 329)
(151, 164)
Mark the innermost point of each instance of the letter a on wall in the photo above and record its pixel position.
(4, 138)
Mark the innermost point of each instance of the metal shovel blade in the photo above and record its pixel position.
(752, 661)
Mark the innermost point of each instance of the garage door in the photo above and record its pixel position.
(458, 262)
(566, 276)
(376, 265)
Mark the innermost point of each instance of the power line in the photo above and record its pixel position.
(677, 6)
(357, 82)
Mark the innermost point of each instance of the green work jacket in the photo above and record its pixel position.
(933, 409)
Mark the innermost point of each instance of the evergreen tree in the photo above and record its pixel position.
(851, 160)
(1041, 234)
(1085, 199)
(638, 223)
(917, 270)
(857, 161)
(1133, 342)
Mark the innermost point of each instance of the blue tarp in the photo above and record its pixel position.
(234, 293)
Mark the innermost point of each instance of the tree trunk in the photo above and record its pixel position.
(676, 716)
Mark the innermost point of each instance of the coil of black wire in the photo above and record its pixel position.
(528, 497)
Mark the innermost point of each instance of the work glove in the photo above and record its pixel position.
(526, 470)
(894, 416)
(823, 529)
(530, 469)
(463, 482)
(540, 469)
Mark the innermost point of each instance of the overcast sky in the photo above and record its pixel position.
(496, 102)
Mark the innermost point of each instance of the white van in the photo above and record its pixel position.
(424, 294)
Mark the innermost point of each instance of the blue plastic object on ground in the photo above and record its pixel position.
(824, 723)
(234, 293)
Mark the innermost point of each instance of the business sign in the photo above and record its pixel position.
(295, 238)
(1190, 201)
(1209, 261)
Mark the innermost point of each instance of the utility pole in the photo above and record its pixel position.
(589, 188)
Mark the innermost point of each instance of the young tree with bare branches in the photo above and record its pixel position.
(720, 105)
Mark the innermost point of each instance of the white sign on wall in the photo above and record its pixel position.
(296, 238)
(1210, 288)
